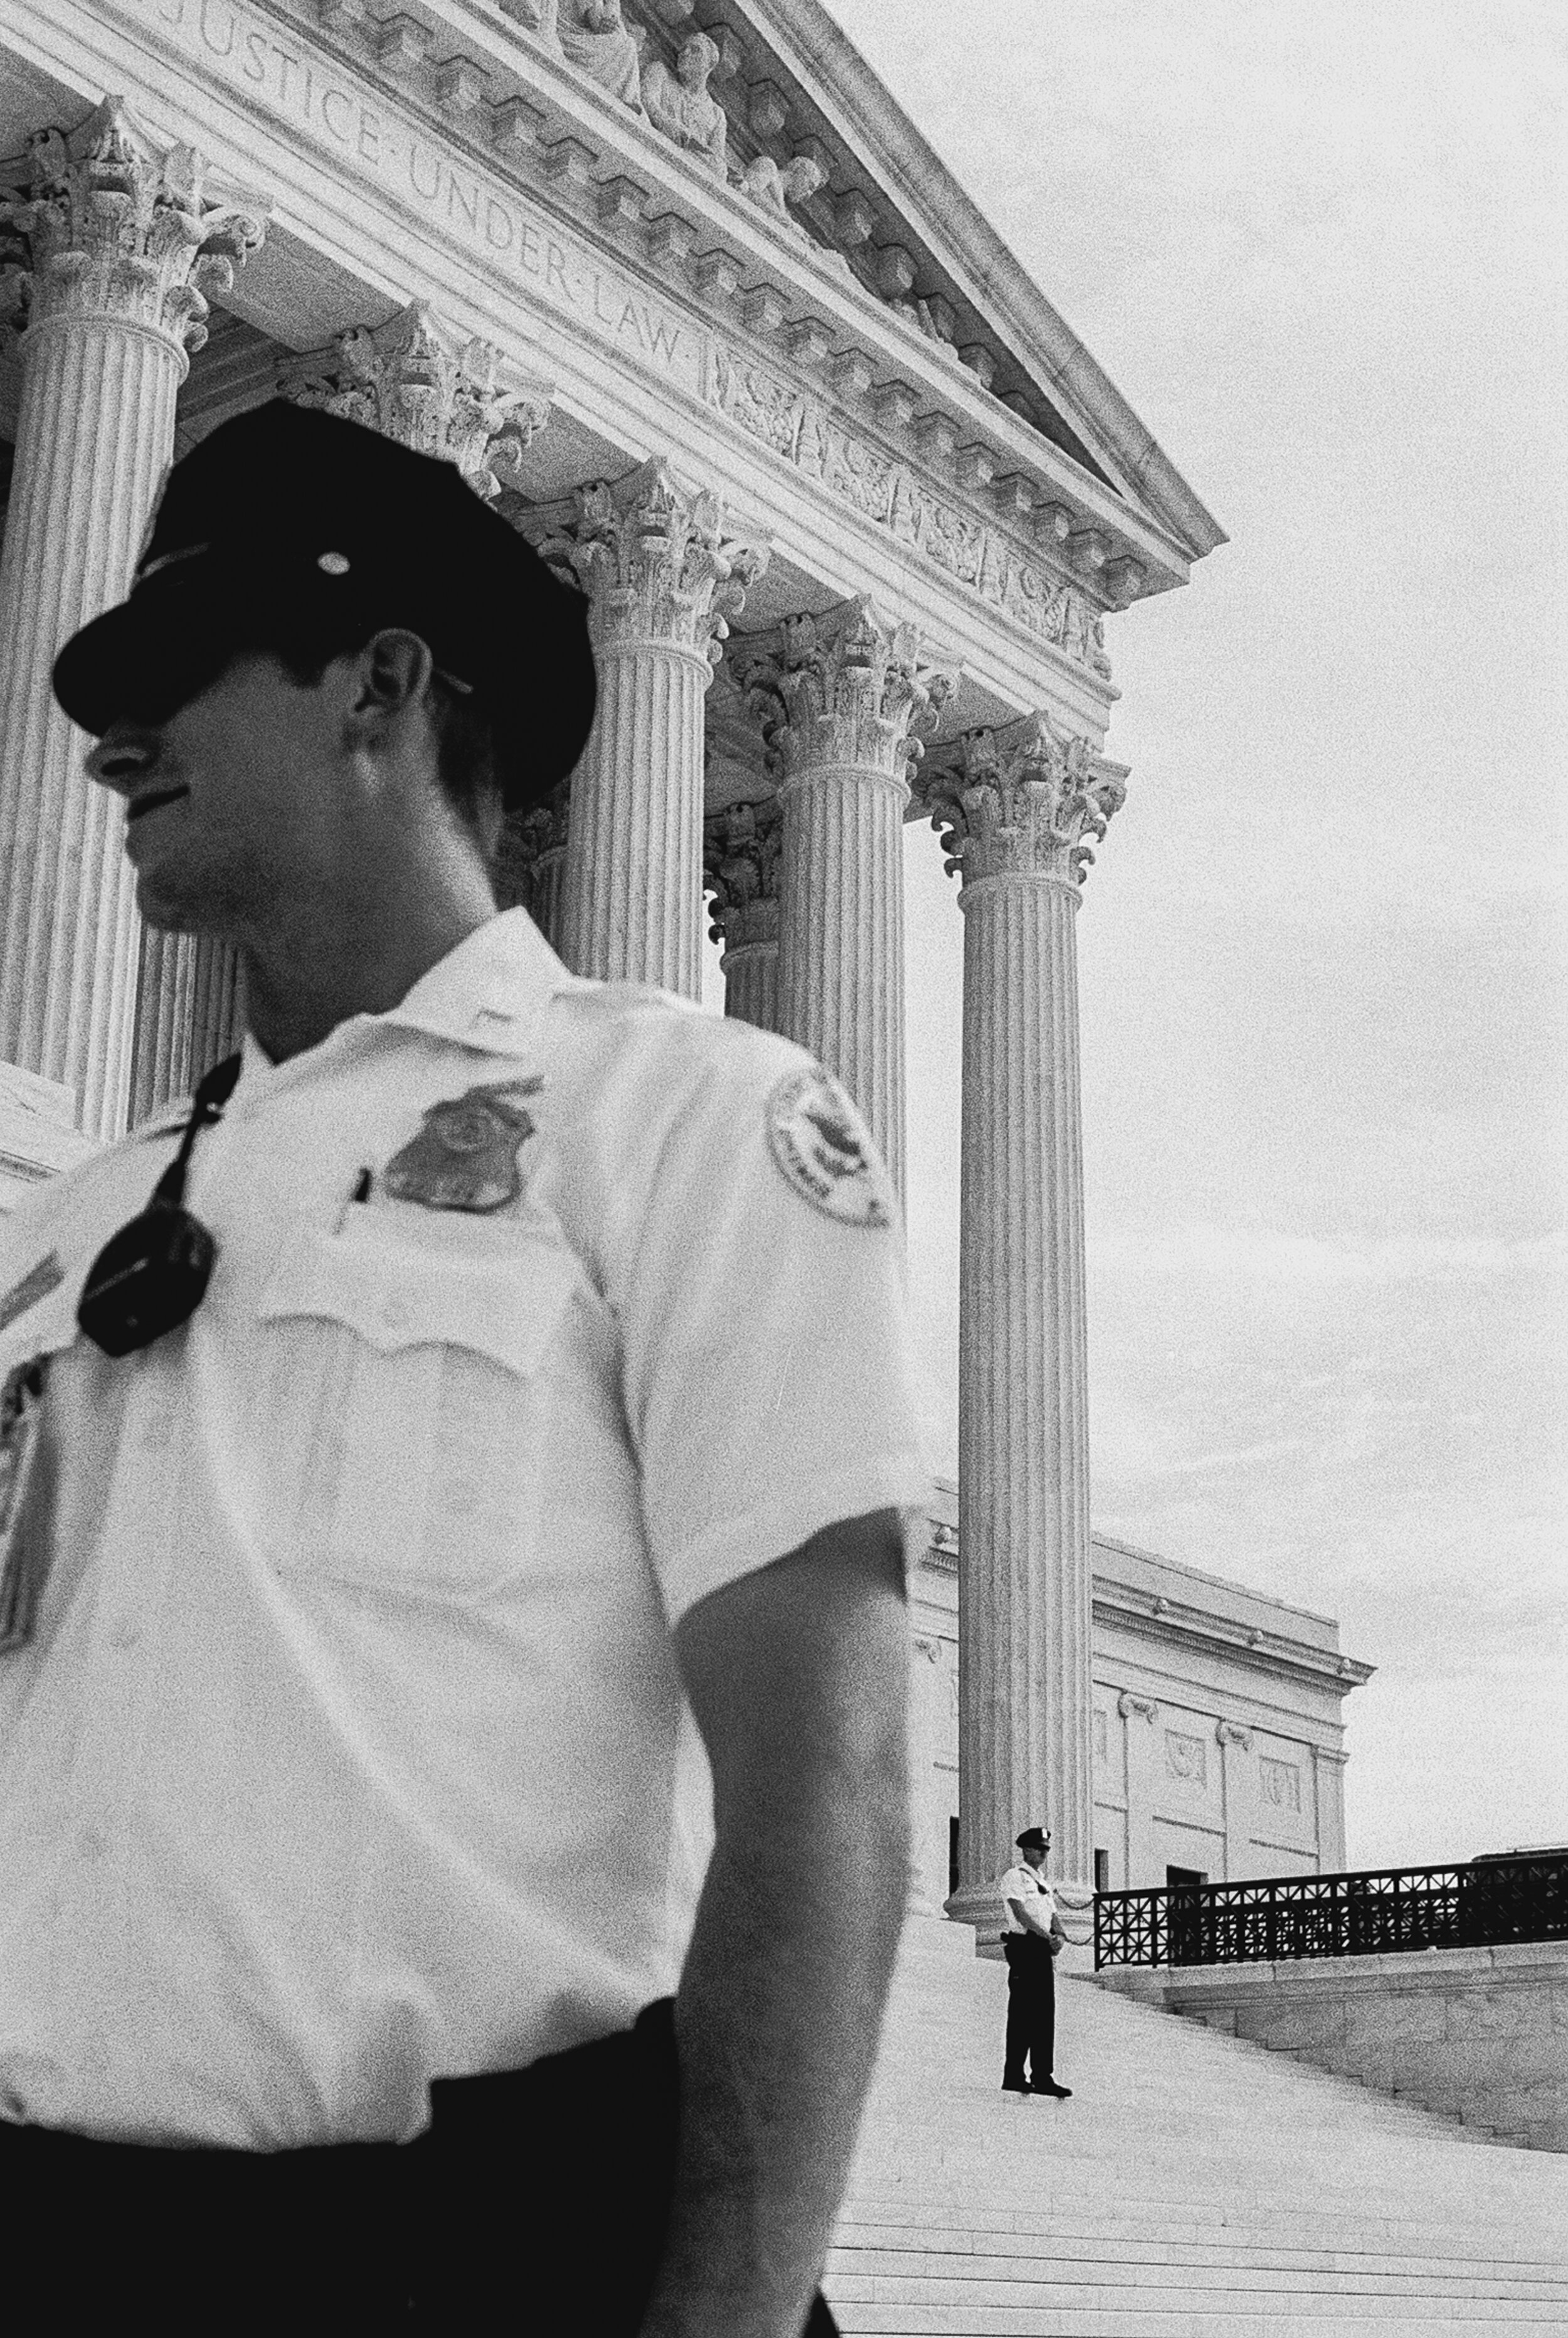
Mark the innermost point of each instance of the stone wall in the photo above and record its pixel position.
(1481, 2033)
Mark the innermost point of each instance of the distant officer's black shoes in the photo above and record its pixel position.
(1051, 2087)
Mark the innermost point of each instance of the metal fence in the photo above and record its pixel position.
(1359, 1915)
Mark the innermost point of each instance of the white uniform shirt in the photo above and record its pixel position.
(1022, 1883)
(349, 1749)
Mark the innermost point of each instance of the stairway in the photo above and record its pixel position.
(1195, 2186)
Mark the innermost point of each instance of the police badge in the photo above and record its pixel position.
(465, 1156)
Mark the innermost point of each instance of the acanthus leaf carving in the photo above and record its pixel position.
(660, 562)
(742, 847)
(414, 380)
(115, 225)
(1023, 801)
(851, 687)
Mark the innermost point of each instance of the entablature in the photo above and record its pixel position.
(498, 92)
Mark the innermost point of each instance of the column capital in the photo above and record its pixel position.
(849, 688)
(1234, 1733)
(527, 838)
(1022, 800)
(415, 381)
(741, 849)
(663, 563)
(1127, 1703)
(113, 224)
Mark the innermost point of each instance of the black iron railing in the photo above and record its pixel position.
(1358, 1915)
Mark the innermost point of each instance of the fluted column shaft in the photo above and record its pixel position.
(665, 575)
(95, 432)
(842, 696)
(120, 235)
(750, 966)
(1018, 814)
(842, 936)
(632, 900)
(1024, 1585)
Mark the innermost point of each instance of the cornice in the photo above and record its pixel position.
(1164, 1622)
(961, 236)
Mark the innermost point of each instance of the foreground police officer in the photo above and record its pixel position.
(484, 1410)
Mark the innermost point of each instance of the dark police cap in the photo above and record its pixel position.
(1032, 1839)
(288, 510)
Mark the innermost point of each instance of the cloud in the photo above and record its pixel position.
(1231, 1252)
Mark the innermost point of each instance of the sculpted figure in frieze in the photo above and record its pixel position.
(679, 103)
(774, 189)
(594, 37)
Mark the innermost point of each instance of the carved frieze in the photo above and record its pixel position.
(1021, 801)
(806, 432)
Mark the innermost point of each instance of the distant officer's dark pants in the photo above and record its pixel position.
(535, 2204)
(1030, 2009)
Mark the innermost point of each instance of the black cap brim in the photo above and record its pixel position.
(151, 654)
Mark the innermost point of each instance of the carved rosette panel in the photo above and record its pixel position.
(660, 562)
(849, 690)
(414, 380)
(1022, 801)
(113, 225)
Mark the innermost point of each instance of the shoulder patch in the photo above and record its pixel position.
(821, 1144)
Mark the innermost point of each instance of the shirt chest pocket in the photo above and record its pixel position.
(407, 1397)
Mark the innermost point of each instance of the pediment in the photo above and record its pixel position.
(880, 285)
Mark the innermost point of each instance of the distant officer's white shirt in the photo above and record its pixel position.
(1023, 1883)
(349, 1749)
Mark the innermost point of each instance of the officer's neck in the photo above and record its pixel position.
(357, 947)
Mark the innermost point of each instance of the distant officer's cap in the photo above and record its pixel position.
(287, 509)
(1032, 1839)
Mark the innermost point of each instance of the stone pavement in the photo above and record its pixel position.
(1194, 2185)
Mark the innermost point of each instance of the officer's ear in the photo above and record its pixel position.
(391, 675)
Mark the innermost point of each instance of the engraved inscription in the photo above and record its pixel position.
(357, 125)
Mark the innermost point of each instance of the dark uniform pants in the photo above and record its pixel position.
(1030, 2009)
(536, 2203)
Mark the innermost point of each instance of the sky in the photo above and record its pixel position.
(1324, 952)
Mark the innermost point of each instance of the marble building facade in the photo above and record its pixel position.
(678, 289)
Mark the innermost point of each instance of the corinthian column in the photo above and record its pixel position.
(665, 577)
(1017, 817)
(841, 698)
(530, 862)
(740, 849)
(120, 239)
(415, 380)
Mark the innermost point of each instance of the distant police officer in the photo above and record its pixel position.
(1032, 1942)
(428, 1461)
